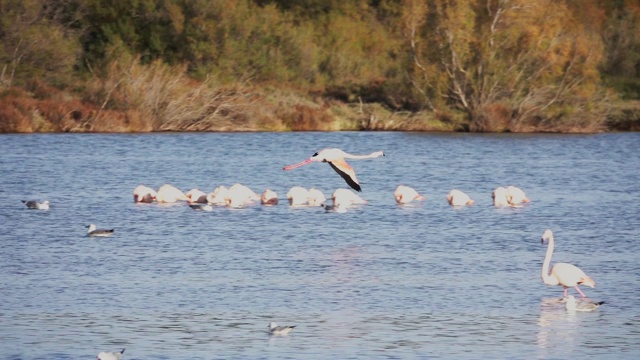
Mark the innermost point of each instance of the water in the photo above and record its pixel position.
(380, 281)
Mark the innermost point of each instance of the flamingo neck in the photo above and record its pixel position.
(546, 278)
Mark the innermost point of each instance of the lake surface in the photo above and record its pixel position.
(379, 281)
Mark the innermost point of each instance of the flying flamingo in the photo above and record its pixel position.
(336, 158)
(566, 275)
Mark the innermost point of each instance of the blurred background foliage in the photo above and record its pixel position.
(476, 65)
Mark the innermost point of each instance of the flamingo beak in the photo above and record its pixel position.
(290, 167)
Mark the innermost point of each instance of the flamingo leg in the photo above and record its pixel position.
(565, 292)
(580, 291)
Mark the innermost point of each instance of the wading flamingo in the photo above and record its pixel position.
(144, 194)
(298, 196)
(337, 159)
(218, 195)
(343, 198)
(499, 196)
(515, 196)
(169, 194)
(563, 274)
(269, 197)
(274, 329)
(405, 195)
(316, 197)
(240, 195)
(196, 196)
(108, 355)
(458, 198)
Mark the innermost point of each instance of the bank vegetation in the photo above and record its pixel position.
(292, 65)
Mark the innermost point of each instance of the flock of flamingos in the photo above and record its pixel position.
(238, 195)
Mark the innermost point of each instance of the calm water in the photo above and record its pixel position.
(380, 281)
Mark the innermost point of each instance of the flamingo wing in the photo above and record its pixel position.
(346, 172)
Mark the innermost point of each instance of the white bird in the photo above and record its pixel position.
(274, 329)
(336, 158)
(499, 196)
(571, 304)
(269, 197)
(32, 204)
(218, 196)
(144, 194)
(170, 194)
(458, 198)
(515, 196)
(240, 195)
(344, 198)
(196, 196)
(298, 196)
(316, 197)
(98, 232)
(108, 355)
(404, 195)
(563, 274)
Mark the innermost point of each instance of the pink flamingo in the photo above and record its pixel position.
(196, 196)
(269, 197)
(144, 194)
(336, 158)
(405, 195)
(458, 198)
(566, 275)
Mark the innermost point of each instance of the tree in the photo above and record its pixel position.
(508, 63)
(34, 44)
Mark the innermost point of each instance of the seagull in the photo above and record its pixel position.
(108, 355)
(32, 204)
(335, 208)
(274, 329)
(336, 158)
(201, 207)
(572, 305)
(98, 232)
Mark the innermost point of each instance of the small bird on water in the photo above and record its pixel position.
(32, 204)
(274, 329)
(98, 232)
(109, 355)
(571, 304)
